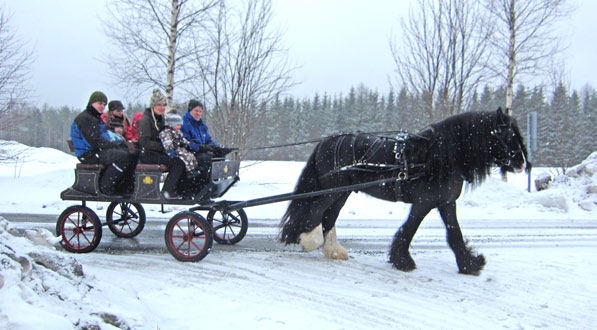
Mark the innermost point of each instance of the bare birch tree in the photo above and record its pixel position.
(247, 67)
(15, 63)
(525, 38)
(152, 42)
(443, 54)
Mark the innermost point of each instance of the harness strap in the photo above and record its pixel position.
(372, 150)
(400, 155)
(402, 168)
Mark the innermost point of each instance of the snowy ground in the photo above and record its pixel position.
(540, 248)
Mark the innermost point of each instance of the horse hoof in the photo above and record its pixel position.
(312, 240)
(473, 266)
(337, 255)
(404, 264)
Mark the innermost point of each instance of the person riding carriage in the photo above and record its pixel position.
(93, 144)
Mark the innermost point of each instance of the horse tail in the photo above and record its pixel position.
(296, 220)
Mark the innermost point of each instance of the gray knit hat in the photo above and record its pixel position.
(173, 119)
(157, 98)
(97, 96)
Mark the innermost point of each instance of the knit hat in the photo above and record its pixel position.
(116, 122)
(173, 119)
(193, 104)
(157, 98)
(115, 105)
(97, 96)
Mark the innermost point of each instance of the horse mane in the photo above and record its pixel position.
(461, 144)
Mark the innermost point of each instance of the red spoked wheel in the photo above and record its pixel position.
(125, 219)
(80, 228)
(229, 227)
(188, 236)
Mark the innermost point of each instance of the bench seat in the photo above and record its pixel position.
(152, 167)
(82, 166)
(140, 167)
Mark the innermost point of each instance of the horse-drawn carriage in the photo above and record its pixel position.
(189, 236)
(426, 169)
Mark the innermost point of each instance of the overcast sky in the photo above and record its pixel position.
(337, 44)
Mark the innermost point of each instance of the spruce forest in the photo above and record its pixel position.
(287, 128)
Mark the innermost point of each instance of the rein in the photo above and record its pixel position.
(284, 145)
(307, 142)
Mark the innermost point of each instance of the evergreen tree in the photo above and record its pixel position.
(559, 121)
(565, 124)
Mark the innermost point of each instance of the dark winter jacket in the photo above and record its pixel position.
(196, 132)
(150, 127)
(88, 133)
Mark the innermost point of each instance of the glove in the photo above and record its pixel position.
(206, 148)
(171, 153)
(221, 151)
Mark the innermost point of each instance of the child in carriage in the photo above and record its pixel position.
(177, 146)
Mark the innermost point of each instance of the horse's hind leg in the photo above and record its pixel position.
(331, 248)
(468, 262)
(314, 239)
(399, 254)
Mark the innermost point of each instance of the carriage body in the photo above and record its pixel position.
(189, 235)
(148, 178)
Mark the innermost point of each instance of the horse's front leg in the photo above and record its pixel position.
(468, 262)
(399, 254)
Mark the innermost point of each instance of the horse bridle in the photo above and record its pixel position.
(500, 133)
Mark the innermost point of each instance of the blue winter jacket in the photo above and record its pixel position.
(93, 136)
(196, 132)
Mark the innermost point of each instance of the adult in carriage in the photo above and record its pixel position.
(152, 150)
(94, 145)
(202, 144)
(116, 120)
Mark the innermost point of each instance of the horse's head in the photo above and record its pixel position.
(508, 148)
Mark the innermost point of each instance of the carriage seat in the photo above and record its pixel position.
(82, 166)
(152, 167)
(140, 167)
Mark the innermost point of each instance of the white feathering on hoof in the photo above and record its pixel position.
(312, 240)
(331, 248)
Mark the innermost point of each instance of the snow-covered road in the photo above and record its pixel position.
(540, 274)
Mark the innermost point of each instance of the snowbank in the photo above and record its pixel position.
(42, 286)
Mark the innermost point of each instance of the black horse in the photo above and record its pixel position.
(429, 169)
